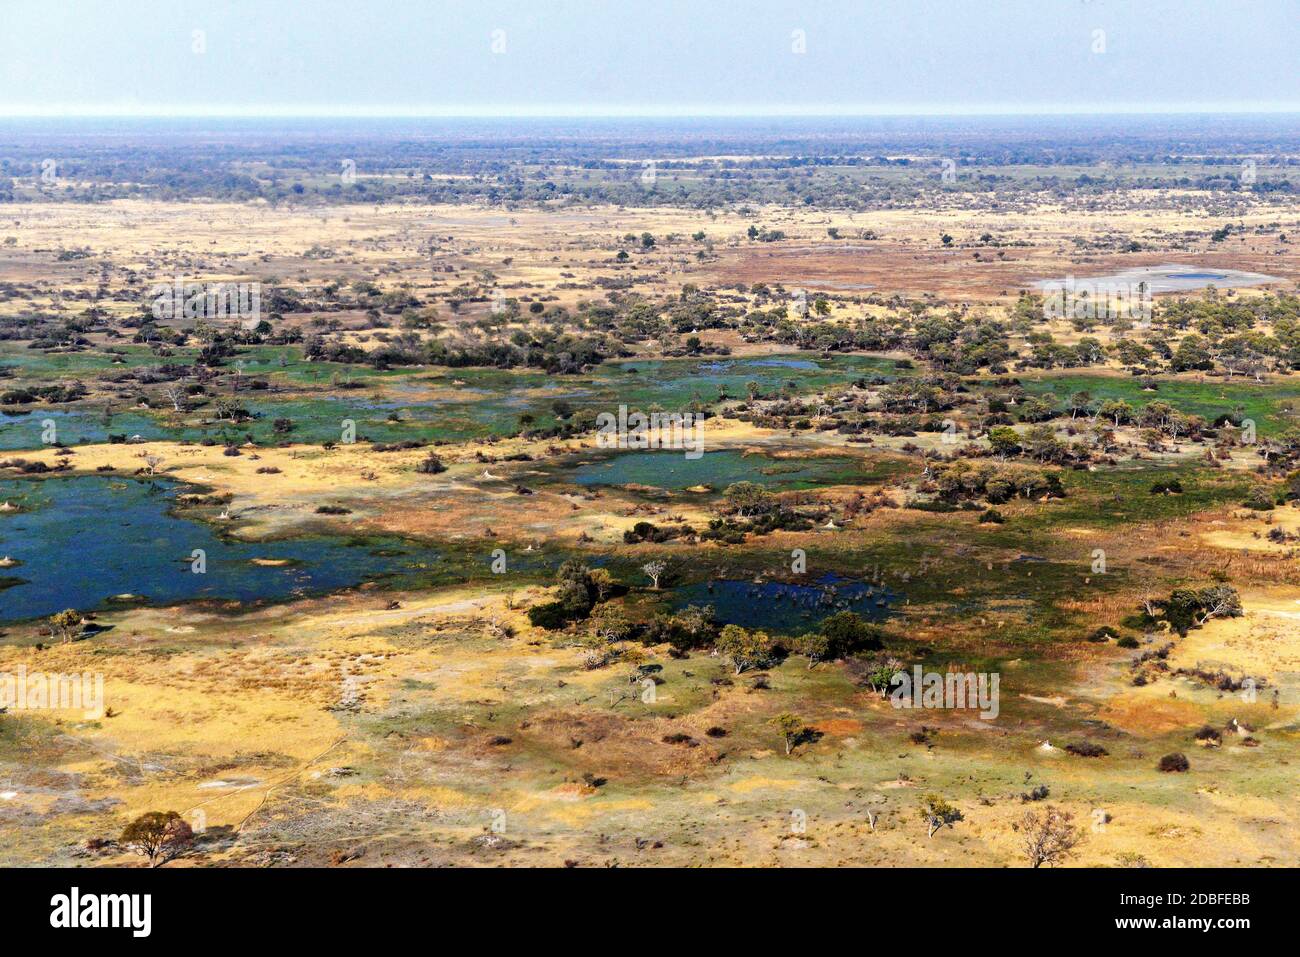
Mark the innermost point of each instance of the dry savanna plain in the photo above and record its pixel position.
(358, 579)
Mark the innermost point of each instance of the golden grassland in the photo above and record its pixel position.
(443, 721)
(560, 251)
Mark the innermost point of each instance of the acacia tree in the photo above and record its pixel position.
(881, 678)
(1219, 600)
(1004, 440)
(748, 499)
(603, 582)
(66, 625)
(1080, 403)
(1116, 409)
(176, 395)
(1049, 837)
(610, 624)
(814, 645)
(746, 649)
(791, 727)
(655, 571)
(937, 813)
(158, 836)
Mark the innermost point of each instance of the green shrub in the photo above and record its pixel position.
(551, 615)
(431, 465)
(1086, 749)
(1174, 762)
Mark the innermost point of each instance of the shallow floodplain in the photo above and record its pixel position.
(95, 542)
(1269, 404)
(440, 404)
(232, 690)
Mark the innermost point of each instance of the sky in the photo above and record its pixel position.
(646, 57)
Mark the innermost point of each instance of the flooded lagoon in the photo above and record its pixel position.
(670, 469)
(787, 608)
(84, 541)
(1169, 277)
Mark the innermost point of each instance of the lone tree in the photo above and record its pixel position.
(748, 499)
(1188, 608)
(791, 728)
(1219, 601)
(813, 645)
(158, 836)
(937, 813)
(177, 396)
(66, 625)
(745, 648)
(655, 571)
(881, 677)
(1050, 837)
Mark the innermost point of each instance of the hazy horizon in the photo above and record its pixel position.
(667, 58)
(665, 114)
